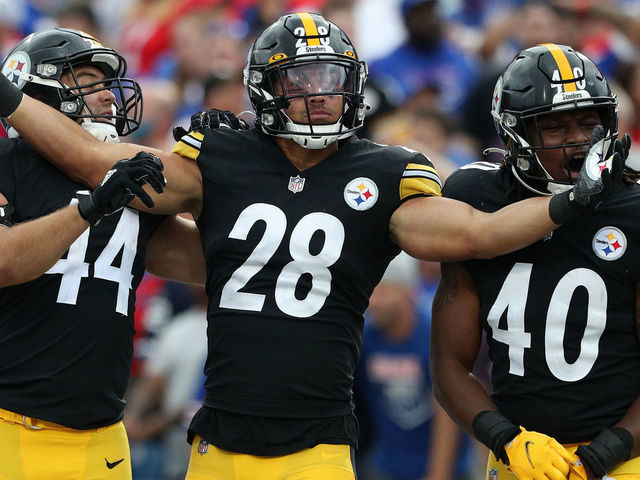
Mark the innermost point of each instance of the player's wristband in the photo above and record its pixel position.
(494, 430)
(87, 208)
(6, 215)
(610, 447)
(562, 208)
(10, 96)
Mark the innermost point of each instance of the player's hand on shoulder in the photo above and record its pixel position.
(600, 172)
(121, 184)
(211, 120)
(536, 456)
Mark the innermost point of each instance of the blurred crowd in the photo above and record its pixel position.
(433, 66)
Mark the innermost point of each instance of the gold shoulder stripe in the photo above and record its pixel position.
(310, 28)
(411, 186)
(186, 151)
(189, 146)
(563, 66)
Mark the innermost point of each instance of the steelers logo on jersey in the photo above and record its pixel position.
(609, 243)
(361, 193)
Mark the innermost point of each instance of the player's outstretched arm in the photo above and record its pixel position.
(442, 229)
(85, 159)
(29, 249)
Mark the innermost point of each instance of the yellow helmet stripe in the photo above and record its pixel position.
(563, 66)
(310, 28)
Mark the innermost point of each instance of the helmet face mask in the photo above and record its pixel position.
(546, 91)
(299, 62)
(45, 66)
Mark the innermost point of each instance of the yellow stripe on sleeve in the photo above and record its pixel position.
(189, 145)
(310, 28)
(563, 66)
(420, 179)
(419, 186)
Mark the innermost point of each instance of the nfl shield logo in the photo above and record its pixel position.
(493, 474)
(296, 184)
(203, 447)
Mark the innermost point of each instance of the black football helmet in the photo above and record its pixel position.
(38, 62)
(293, 48)
(543, 80)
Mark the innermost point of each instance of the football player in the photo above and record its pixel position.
(560, 316)
(66, 320)
(299, 220)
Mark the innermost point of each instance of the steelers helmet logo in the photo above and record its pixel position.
(609, 243)
(361, 193)
(18, 63)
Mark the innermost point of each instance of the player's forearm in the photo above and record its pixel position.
(511, 228)
(29, 249)
(460, 394)
(443, 229)
(61, 141)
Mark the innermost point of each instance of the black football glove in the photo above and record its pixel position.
(123, 182)
(210, 120)
(600, 172)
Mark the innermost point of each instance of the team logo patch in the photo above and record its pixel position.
(203, 447)
(296, 184)
(18, 63)
(493, 474)
(361, 193)
(609, 243)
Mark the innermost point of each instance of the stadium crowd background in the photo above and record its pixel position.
(433, 65)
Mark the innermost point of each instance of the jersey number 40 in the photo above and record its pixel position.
(513, 299)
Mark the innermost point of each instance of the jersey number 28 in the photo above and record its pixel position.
(316, 265)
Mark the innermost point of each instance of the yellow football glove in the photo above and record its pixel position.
(536, 456)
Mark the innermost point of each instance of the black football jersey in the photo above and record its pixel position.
(292, 258)
(560, 314)
(66, 338)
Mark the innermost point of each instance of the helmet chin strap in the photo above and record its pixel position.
(105, 132)
(327, 134)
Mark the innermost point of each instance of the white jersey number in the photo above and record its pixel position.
(316, 265)
(513, 298)
(74, 268)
